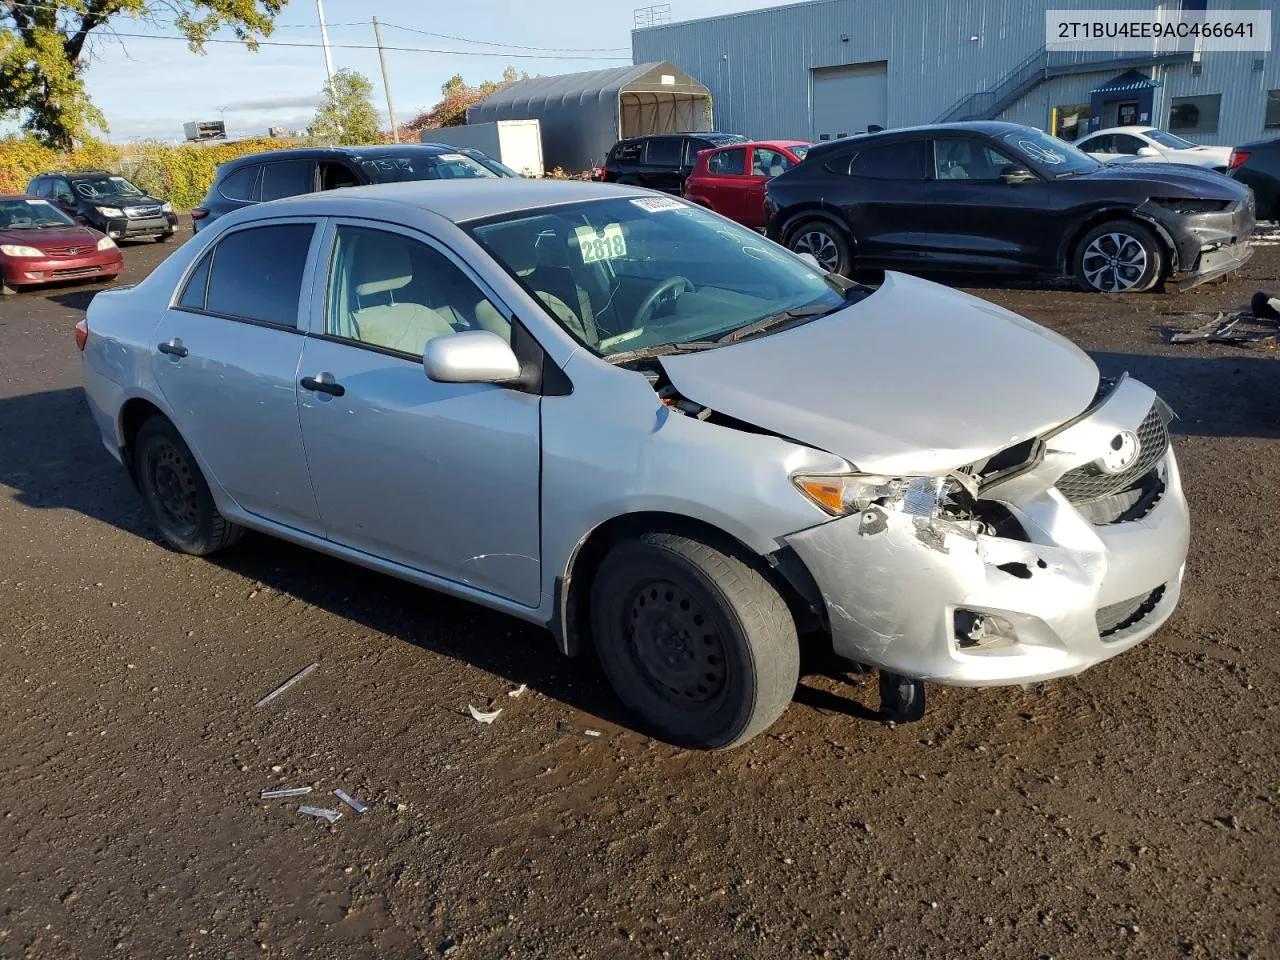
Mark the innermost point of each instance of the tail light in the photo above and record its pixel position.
(199, 213)
(82, 334)
(1238, 158)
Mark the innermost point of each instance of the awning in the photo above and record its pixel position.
(1127, 83)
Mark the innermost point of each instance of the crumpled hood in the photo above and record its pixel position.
(1177, 180)
(51, 237)
(917, 378)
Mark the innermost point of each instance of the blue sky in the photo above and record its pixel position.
(148, 86)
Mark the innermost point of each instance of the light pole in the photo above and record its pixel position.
(324, 41)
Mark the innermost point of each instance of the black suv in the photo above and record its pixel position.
(107, 202)
(660, 161)
(276, 174)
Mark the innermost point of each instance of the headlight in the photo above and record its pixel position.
(111, 211)
(847, 493)
(14, 250)
(1191, 205)
(167, 207)
(106, 243)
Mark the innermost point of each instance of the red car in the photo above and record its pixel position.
(41, 244)
(730, 180)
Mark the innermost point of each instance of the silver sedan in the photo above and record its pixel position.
(654, 432)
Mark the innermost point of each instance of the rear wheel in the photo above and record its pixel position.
(164, 238)
(1120, 256)
(826, 243)
(694, 640)
(176, 493)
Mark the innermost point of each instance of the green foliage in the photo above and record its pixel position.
(43, 53)
(452, 110)
(347, 115)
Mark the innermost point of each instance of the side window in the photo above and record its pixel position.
(769, 163)
(891, 161)
(61, 190)
(239, 185)
(288, 178)
(334, 176)
(193, 294)
(728, 163)
(663, 152)
(257, 273)
(967, 160)
(38, 188)
(628, 152)
(393, 292)
(1127, 144)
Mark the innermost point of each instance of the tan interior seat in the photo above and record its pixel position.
(381, 267)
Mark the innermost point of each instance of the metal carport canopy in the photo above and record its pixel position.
(582, 115)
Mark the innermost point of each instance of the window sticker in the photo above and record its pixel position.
(657, 204)
(608, 342)
(1044, 155)
(607, 244)
(38, 203)
(450, 156)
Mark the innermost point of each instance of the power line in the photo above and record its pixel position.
(516, 46)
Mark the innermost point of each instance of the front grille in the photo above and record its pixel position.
(1119, 617)
(69, 251)
(75, 272)
(139, 213)
(1089, 483)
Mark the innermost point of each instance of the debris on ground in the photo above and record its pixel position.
(285, 792)
(297, 677)
(593, 733)
(346, 798)
(518, 690)
(1239, 327)
(333, 816)
(482, 716)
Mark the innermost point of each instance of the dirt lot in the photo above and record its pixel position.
(1132, 811)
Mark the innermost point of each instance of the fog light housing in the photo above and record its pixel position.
(980, 632)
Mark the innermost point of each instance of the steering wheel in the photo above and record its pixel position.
(666, 287)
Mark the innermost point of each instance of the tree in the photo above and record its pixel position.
(44, 50)
(346, 115)
(452, 110)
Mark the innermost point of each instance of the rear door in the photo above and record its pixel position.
(226, 359)
(663, 157)
(727, 170)
(765, 164)
(887, 207)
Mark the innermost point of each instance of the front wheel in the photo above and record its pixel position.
(694, 640)
(826, 243)
(1119, 257)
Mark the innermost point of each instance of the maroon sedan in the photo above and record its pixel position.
(41, 244)
(730, 180)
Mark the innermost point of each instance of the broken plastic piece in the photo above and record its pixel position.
(1265, 306)
(354, 804)
(300, 675)
(901, 698)
(333, 816)
(593, 733)
(285, 792)
(482, 716)
(518, 690)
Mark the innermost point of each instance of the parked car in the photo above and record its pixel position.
(501, 169)
(1004, 198)
(107, 202)
(660, 161)
(39, 244)
(275, 174)
(730, 180)
(1257, 166)
(651, 431)
(1149, 145)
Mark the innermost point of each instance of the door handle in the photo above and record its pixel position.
(316, 384)
(173, 348)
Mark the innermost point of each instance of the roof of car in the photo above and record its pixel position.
(992, 128)
(1128, 129)
(17, 196)
(761, 143)
(313, 153)
(75, 173)
(456, 200)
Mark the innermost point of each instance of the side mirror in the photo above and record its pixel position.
(474, 356)
(812, 261)
(1148, 152)
(1014, 175)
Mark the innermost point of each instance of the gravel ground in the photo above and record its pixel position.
(1129, 812)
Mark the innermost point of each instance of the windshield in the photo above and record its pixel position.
(499, 168)
(95, 188)
(31, 215)
(629, 273)
(425, 166)
(1060, 158)
(1169, 140)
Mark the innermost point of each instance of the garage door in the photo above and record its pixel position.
(849, 99)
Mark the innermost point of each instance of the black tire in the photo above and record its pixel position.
(176, 493)
(627, 182)
(828, 244)
(1119, 256)
(694, 640)
(164, 238)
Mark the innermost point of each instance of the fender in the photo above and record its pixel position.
(1071, 236)
(793, 217)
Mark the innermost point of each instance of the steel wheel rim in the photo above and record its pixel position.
(173, 486)
(1114, 262)
(820, 246)
(675, 644)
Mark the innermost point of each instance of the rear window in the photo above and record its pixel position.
(288, 178)
(892, 161)
(628, 152)
(257, 273)
(240, 183)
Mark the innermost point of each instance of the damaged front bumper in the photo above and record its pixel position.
(1205, 245)
(1084, 572)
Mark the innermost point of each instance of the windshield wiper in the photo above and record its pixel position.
(777, 319)
(661, 350)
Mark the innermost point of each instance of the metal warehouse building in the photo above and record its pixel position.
(830, 68)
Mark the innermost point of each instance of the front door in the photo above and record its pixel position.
(439, 477)
(226, 359)
(766, 163)
(1127, 114)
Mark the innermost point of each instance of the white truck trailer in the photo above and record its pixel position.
(515, 143)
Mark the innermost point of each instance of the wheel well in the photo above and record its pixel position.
(1067, 260)
(136, 412)
(783, 570)
(800, 217)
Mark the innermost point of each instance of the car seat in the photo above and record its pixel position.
(381, 266)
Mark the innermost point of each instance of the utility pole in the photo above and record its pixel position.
(386, 80)
(324, 41)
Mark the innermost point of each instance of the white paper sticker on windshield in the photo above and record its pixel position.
(450, 156)
(39, 203)
(657, 204)
(607, 244)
